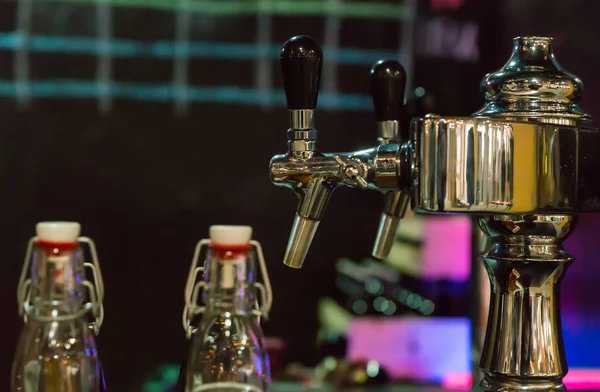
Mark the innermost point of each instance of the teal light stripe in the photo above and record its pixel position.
(55, 89)
(351, 9)
(166, 49)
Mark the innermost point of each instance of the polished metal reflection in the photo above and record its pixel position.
(302, 119)
(525, 163)
(313, 177)
(303, 232)
(532, 86)
(388, 132)
(526, 262)
(396, 202)
(483, 165)
(528, 150)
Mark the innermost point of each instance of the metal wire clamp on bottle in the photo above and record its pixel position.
(525, 165)
(194, 287)
(51, 299)
(96, 289)
(227, 346)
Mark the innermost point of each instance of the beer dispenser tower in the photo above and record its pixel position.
(525, 165)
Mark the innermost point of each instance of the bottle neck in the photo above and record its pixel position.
(57, 276)
(229, 278)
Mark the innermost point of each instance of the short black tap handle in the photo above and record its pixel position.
(301, 61)
(388, 82)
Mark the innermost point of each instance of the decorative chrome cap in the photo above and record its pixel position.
(532, 86)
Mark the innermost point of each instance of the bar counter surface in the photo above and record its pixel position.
(295, 387)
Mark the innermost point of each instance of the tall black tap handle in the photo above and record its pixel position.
(301, 61)
(388, 82)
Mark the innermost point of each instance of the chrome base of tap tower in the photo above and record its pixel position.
(523, 349)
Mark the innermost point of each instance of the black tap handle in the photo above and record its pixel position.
(301, 60)
(388, 82)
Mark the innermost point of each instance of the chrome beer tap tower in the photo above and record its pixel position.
(524, 165)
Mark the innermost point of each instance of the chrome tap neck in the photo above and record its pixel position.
(302, 119)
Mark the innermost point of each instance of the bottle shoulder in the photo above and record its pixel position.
(65, 336)
(228, 338)
(56, 355)
(229, 327)
(228, 349)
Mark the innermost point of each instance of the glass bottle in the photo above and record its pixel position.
(227, 351)
(56, 351)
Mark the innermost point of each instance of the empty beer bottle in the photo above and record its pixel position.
(57, 351)
(227, 351)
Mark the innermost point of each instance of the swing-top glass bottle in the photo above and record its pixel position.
(227, 351)
(56, 351)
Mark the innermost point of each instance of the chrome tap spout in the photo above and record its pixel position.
(313, 177)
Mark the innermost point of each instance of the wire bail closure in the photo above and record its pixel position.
(193, 288)
(95, 290)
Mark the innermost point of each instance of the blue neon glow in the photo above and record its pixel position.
(168, 49)
(165, 93)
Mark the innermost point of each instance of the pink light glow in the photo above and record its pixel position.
(423, 349)
(457, 381)
(576, 380)
(447, 248)
(443, 5)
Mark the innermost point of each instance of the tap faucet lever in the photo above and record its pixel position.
(388, 82)
(301, 61)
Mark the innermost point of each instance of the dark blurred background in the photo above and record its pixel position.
(149, 121)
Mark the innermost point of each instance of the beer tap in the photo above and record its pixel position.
(388, 82)
(313, 175)
(525, 165)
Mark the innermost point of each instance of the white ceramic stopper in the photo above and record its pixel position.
(58, 231)
(230, 235)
